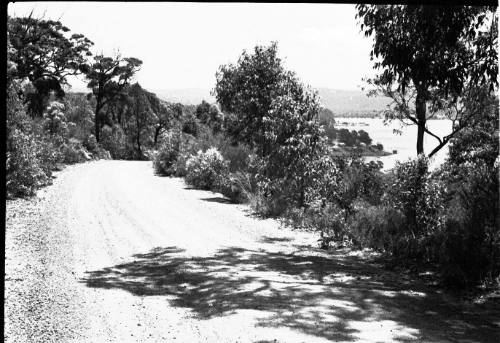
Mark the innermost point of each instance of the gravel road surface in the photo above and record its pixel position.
(112, 253)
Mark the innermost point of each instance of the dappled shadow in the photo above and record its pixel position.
(267, 239)
(220, 200)
(190, 188)
(323, 295)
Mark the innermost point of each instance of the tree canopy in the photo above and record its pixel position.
(256, 92)
(108, 77)
(427, 54)
(45, 53)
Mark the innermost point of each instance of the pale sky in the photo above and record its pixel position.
(183, 44)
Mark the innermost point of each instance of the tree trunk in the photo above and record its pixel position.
(137, 122)
(96, 120)
(421, 121)
(139, 144)
(302, 193)
(157, 133)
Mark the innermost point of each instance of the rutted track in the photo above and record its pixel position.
(112, 253)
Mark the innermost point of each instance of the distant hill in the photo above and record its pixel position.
(187, 96)
(340, 102)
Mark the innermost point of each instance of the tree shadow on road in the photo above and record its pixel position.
(323, 295)
(220, 200)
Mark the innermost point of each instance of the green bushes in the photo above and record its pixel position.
(74, 152)
(206, 170)
(378, 227)
(470, 250)
(113, 139)
(208, 161)
(175, 149)
(238, 186)
(164, 160)
(47, 153)
(420, 199)
(90, 143)
(38, 146)
(24, 171)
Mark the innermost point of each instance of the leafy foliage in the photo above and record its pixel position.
(108, 76)
(206, 169)
(24, 173)
(430, 54)
(420, 200)
(471, 239)
(55, 120)
(45, 54)
(113, 140)
(165, 159)
(273, 113)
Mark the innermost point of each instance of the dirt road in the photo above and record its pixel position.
(112, 253)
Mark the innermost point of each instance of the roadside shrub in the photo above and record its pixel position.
(269, 200)
(180, 165)
(73, 152)
(470, 250)
(48, 154)
(175, 150)
(24, 173)
(101, 153)
(190, 124)
(188, 146)
(378, 227)
(237, 155)
(90, 143)
(238, 186)
(360, 181)
(113, 139)
(420, 198)
(54, 120)
(164, 160)
(329, 220)
(206, 170)
(206, 139)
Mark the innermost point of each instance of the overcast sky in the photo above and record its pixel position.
(183, 44)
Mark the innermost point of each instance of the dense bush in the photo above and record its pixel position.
(470, 250)
(90, 143)
(206, 170)
(420, 198)
(269, 203)
(79, 115)
(190, 124)
(54, 120)
(113, 139)
(347, 137)
(48, 153)
(340, 187)
(164, 161)
(378, 227)
(188, 147)
(74, 152)
(238, 186)
(238, 156)
(24, 172)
